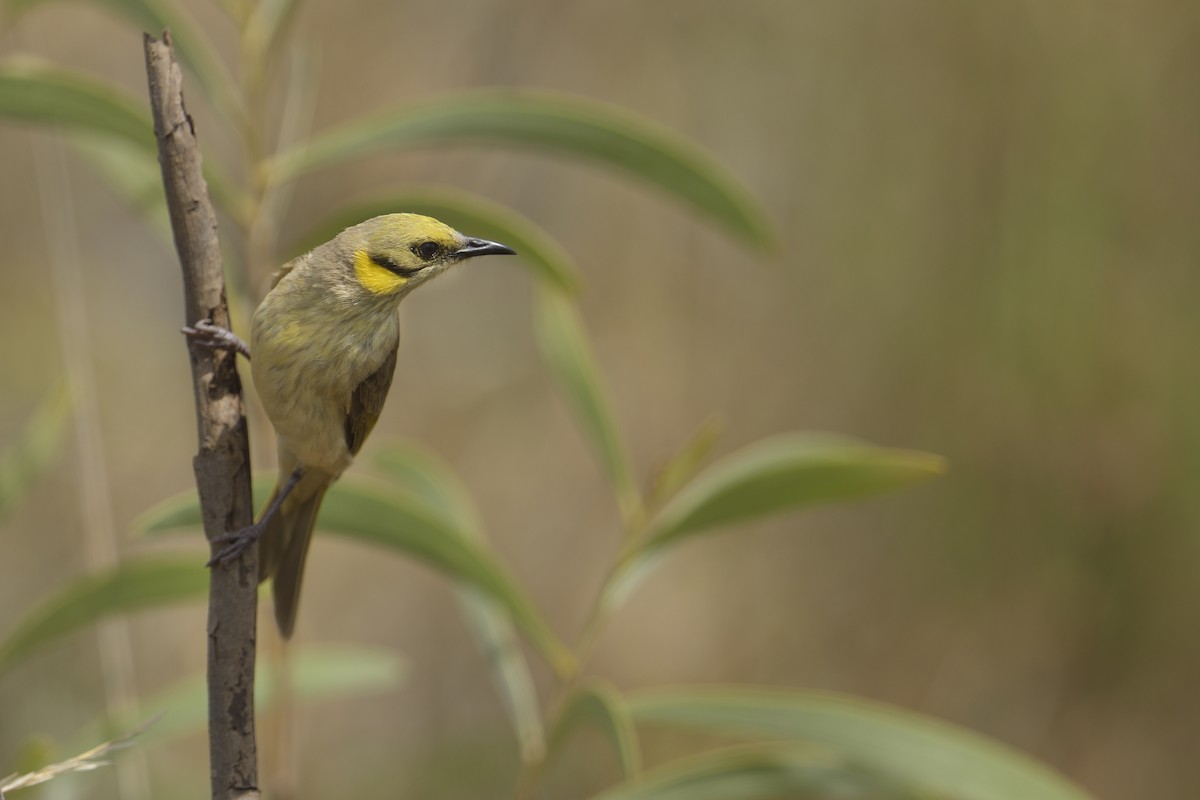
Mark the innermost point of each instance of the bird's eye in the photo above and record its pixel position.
(427, 250)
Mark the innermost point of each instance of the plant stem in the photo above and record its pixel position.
(222, 465)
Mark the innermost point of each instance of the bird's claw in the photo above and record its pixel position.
(214, 337)
(235, 543)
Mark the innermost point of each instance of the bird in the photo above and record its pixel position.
(324, 343)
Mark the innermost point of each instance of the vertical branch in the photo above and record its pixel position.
(222, 465)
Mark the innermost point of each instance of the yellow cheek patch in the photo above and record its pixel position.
(374, 278)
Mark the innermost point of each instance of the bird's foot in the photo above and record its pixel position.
(236, 543)
(214, 337)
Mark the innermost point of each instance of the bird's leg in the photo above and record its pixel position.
(238, 541)
(205, 334)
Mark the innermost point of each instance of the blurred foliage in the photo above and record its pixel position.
(1031, 207)
(41, 438)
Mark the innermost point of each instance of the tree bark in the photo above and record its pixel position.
(222, 466)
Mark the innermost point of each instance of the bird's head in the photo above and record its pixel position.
(395, 253)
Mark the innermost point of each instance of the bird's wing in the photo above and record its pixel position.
(367, 402)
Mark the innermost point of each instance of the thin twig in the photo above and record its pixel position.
(222, 466)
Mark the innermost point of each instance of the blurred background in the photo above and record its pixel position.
(986, 217)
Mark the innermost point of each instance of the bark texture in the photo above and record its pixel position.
(222, 465)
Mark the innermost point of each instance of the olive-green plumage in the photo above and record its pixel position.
(324, 349)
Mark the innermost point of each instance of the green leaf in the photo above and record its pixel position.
(152, 16)
(927, 754)
(683, 465)
(421, 472)
(403, 523)
(269, 20)
(759, 772)
(545, 122)
(785, 472)
(471, 214)
(132, 586)
(599, 704)
(35, 449)
(318, 672)
(133, 172)
(569, 356)
(30, 92)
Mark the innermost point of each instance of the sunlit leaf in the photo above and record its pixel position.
(760, 772)
(421, 472)
(152, 16)
(30, 92)
(35, 449)
(317, 672)
(405, 524)
(569, 356)
(927, 754)
(785, 472)
(471, 214)
(598, 704)
(133, 586)
(545, 122)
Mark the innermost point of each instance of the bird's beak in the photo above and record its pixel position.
(482, 247)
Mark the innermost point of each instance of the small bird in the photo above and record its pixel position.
(324, 348)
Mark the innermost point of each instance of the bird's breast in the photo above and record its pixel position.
(307, 362)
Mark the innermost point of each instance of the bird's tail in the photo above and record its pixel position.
(284, 547)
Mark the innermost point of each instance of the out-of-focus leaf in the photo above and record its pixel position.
(421, 472)
(759, 772)
(924, 753)
(35, 449)
(684, 464)
(565, 347)
(546, 122)
(600, 705)
(132, 586)
(31, 92)
(471, 214)
(318, 672)
(133, 172)
(153, 16)
(269, 20)
(784, 472)
(403, 523)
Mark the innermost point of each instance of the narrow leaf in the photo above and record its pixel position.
(471, 214)
(133, 173)
(30, 92)
(424, 474)
(567, 353)
(194, 51)
(405, 524)
(546, 122)
(133, 586)
(683, 465)
(35, 449)
(600, 705)
(760, 772)
(785, 472)
(318, 672)
(927, 754)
